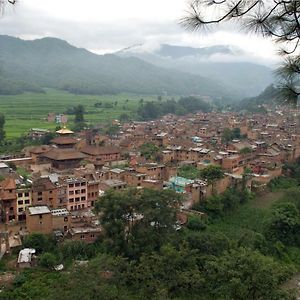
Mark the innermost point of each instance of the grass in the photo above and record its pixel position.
(248, 218)
(30, 110)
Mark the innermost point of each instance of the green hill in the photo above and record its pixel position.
(53, 63)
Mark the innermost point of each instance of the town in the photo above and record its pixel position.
(61, 182)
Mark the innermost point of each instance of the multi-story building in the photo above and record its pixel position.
(44, 192)
(8, 199)
(24, 197)
(77, 193)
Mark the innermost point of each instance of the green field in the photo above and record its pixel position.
(30, 110)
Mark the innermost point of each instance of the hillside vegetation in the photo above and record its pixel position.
(50, 62)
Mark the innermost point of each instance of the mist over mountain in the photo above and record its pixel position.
(229, 65)
(51, 62)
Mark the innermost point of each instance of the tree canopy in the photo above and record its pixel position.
(137, 220)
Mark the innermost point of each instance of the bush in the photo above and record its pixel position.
(47, 260)
(40, 242)
(195, 223)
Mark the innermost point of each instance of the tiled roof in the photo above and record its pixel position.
(64, 154)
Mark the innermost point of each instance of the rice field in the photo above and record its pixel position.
(30, 110)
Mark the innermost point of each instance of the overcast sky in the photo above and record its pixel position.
(105, 26)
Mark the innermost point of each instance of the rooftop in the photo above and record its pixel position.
(38, 210)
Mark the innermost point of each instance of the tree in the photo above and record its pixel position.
(270, 18)
(124, 117)
(227, 136)
(79, 117)
(2, 131)
(79, 113)
(244, 274)
(47, 260)
(284, 224)
(137, 221)
(212, 173)
(149, 150)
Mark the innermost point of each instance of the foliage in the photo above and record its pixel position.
(47, 260)
(284, 224)
(217, 205)
(40, 242)
(195, 223)
(112, 130)
(212, 173)
(70, 250)
(244, 274)
(189, 172)
(137, 221)
(124, 117)
(2, 131)
(228, 135)
(245, 150)
(167, 274)
(282, 182)
(153, 110)
(149, 151)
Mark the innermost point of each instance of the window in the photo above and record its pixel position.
(20, 195)
(82, 236)
(65, 219)
(92, 235)
(20, 202)
(71, 207)
(83, 191)
(26, 194)
(50, 192)
(82, 198)
(77, 184)
(27, 201)
(40, 193)
(20, 209)
(40, 199)
(41, 216)
(71, 185)
(82, 205)
(11, 208)
(71, 200)
(71, 192)
(77, 199)
(82, 183)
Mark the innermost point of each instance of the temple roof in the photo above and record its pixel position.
(64, 154)
(64, 131)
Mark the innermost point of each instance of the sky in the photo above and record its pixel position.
(104, 26)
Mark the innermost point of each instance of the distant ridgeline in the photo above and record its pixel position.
(53, 63)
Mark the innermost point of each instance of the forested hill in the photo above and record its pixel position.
(254, 104)
(50, 62)
(229, 65)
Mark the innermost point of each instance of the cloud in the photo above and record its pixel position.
(107, 26)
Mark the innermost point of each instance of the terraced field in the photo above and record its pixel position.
(30, 110)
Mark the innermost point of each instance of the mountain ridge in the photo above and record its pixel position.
(54, 63)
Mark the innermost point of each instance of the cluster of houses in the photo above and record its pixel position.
(66, 178)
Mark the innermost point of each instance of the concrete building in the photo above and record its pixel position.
(39, 220)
